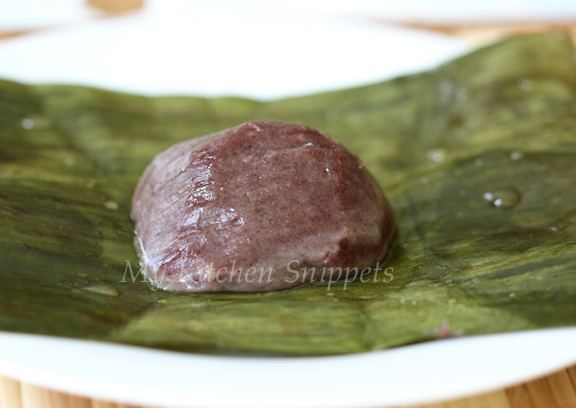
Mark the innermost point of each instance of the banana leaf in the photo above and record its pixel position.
(478, 158)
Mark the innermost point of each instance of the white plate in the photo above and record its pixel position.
(185, 47)
(406, 375)
(164, 50)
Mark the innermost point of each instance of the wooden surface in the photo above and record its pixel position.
(555, 390)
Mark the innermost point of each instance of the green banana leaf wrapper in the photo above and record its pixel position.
(477, 157)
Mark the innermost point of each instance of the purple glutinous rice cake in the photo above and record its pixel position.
(262, 206)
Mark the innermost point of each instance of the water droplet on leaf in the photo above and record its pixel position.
(503, 198)
(111, 205)
(516, 155)
(27, 123)
(436, 155)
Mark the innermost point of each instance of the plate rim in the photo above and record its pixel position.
(31, 358)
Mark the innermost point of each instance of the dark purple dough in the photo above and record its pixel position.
(262, 206)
